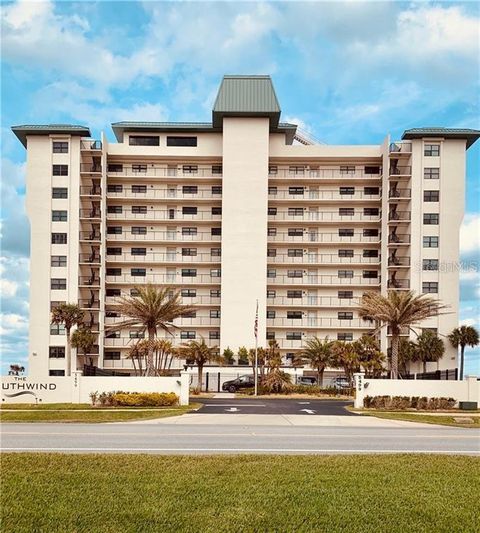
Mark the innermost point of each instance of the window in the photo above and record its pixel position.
(216, 231)
(270, 314)
(431, 173)
(139, 209)
(215, 252)
(342, 315)
(216, 210)
(60, 147)
(345, 232)
(134, 292)
(215, 273)
(270, 336)
(138, 251)
(271, 294)
(432, 150)
(59, 192)
(184, 335)
(114, 251)
(214, 293)
(56, 352)
(189, 210)
(217, 169)
(296, 190)
(181, 141)
(112, 292)
(142, 189)
(189, 293)
(371, 211)
(273, 169)
(189, 252)
(344, 336)
(142, 272)
(114, 209)
(114, 188)
(214, 313)
(189, 231)
(431, 196)
(189, 272)
(57, 329)
(347, 169)
(431, 219)
(139, 168)
(295, 232)
(430, 242)
(272, 210)
(190, 169)
(295, 211)
(271, 252)
(136, 335)
(58, 261)
(272, 191)
(430, 264)
(189, 189)
(295, 252)
(430, 287)
(346, 211)
(271, 232)
(59, 238)
(112, 356)
(60, 170)
(144, 140)
(139, 230)
(114, 230)
(294, 315)
(345, 273)
(216, 189)
(294, 273)
(54, 304)
(294, 336)
(345, 295)
(294, 294)
(114, 271)
(115, 167)
(56, 372)
(345, 253)
(370, 274)
(296, 169)
(214, 335)
(347, 190)
(370, 253)
(271, 273)
(372, 170)
(369, 191)
(370, 232)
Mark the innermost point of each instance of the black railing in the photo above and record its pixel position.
(90, 190)
(398, 238)
(447, 375)
(398, 261)
(90, 213)
(90, 167)
(89, 304)
(399, 215)
(398, 283)
(88, 280)
(90, 236)
(400, 193)
(89, 258)
(400, 171)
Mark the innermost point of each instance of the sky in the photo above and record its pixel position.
(346, 72)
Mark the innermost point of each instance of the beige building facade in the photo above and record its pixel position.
(234, 211)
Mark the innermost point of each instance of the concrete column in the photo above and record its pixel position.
(76, 379)
(359, 379)
(184, 388)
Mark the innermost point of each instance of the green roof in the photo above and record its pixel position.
(447, 133)
(246, 96)
(45, 129)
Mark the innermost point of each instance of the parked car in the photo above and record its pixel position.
(341, 382)
(242, 382)
(309, 381)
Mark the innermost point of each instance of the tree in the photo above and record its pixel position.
(199, 353)
(347, 357)
(369, 354)
(463, 336)
(406, 354)
(228, 356)
(428, 348)
(273, 358)
(260, 359)
(153, 308)
(396, 311)
(83, 340)
(69, 315)
(319, 355)
(242, 356)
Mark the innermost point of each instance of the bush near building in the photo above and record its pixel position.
(134, 399)
(420, 403)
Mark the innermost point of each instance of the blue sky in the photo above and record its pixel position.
(346, 72)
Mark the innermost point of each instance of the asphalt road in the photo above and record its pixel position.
(224, 438)
(275, 407)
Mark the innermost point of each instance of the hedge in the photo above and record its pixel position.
(134, 399)
(420, 403)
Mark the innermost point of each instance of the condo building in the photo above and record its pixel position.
(234, 211)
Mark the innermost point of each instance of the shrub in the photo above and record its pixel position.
(407, 402)
(137, 399)
(277, 381)
(400, 402)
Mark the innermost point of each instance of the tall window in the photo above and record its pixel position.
(60, 147)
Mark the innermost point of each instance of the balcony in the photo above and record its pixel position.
(400, 193)
(319, 322)
(322, 173)
(90, 236)
(318, 237)
(312, 301)
(90, 190)
(91, 258)
(396, 238)
(400, 148)
(398, 283)
(198, 321)
(322, 280)
(90, 213)
(154, 193)
(168, 279)
(151, 170)
(161, 257)
(165, 215)
(322, 259)
(401, 171)
(402, 216)
(89, 303)
(90, 145)
(399, 261)
(328, 195)
(90, 168)
(323, 216)
(157, 236)
(89, 281)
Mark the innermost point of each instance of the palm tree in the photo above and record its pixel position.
(83, 340)
(463, 336)
(152, 308)
(398, 310)
(406, 354)
(69, 315)
(318, 354)
(199, 353)
(428, 348)
(370, 356)
(346, 356)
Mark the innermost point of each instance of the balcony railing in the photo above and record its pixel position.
(152, 170)
(169, 214)
(90, 190)
(321, 279)
(399, 215)
(400, 193)
(318, 322)
(91, 145)
(312, 195)
(169, 279)
(153, 235)
(324, 238)
(91, 168)
(325, 173)
(398, 261)
(323, 259)
(161, 257)
(401, 171)
(90, 236)
(398, 283)
(202, 299)
(323, 216)
(89, 281)
(313, 301)
(396, 238)
(90, 213)
(89, 258)
(89, 303)
(154, 193)
(400, 148)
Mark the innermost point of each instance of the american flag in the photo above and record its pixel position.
(255, 327)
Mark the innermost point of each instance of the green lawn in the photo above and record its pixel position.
(92, 415)
(143, 493)
(426, 418)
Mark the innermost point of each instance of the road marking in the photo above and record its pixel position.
(308, 411)
(304, 403)
(232, 410)
(244, 450)
(233, 405)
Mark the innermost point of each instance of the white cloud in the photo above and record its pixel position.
(7, 288)
(470, 234)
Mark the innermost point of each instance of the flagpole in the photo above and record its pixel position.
(256, 351)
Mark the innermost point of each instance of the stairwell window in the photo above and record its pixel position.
(430, 264)
(432, 150)
(60, 147)
(431, 219)
(59, 216)
(56, 352)
(430, 242)
(57, 329)
(60, 192)
(60, 170)
(431, 173)
(58, 261)
(59, 238)
(144, 140)
(431, 196)
(59, 284)
(430, 287)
